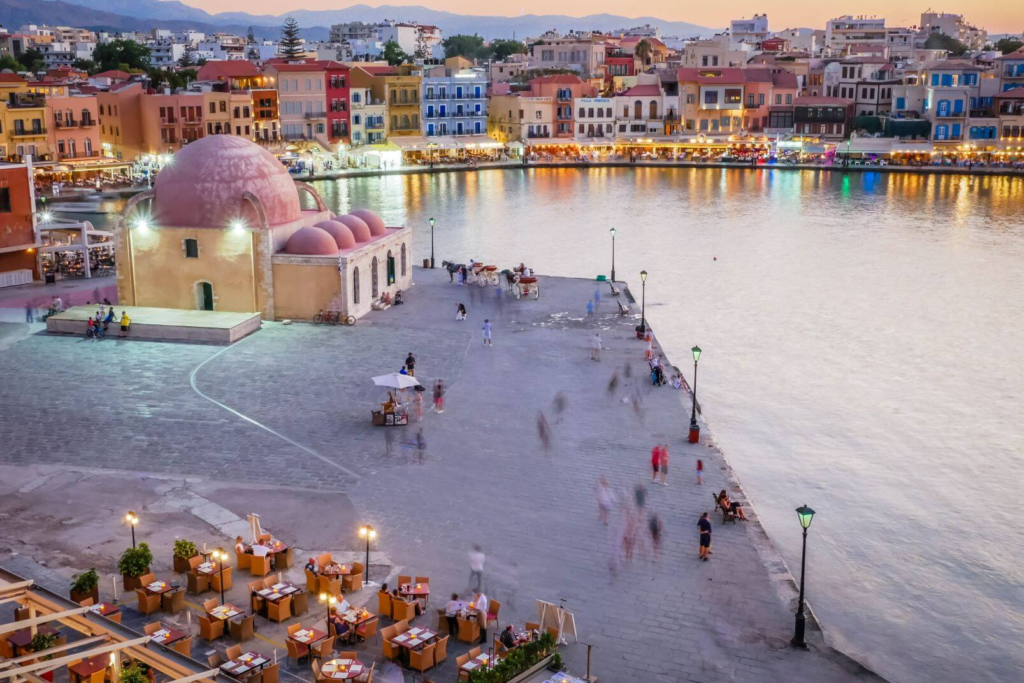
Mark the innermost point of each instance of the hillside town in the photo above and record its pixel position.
(391, 94)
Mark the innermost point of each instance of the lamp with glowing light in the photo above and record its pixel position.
(694, 427)
(219, 555)
(805, 515)
(132, 519)
(369, 533)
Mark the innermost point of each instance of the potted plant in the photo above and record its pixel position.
(556, 662)
(184, 550)
(44, 641)
(85, 585)
(134, 562)
(134, 673)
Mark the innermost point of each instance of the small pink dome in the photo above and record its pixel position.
(359, 228)
(311, 242)
(340, 232)
(372, 220)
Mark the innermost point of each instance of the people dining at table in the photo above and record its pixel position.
(451, 614)
(240, 547)
(731, 505)
(311, 566)
(508, 637)
(342, 628)
(395, 595)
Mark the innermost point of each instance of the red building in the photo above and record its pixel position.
(18, 238)
(337, 88)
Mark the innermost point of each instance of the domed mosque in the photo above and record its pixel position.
(224, 229)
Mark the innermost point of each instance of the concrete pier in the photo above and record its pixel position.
(279, 423)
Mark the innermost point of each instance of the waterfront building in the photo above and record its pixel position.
(1010, 113)
(844, 32)
(74, 134)
(454, 99)
(507, 70)
(583, 53)
(120, 110)
(23, 120)
(1010, 70)
(868, 81)
(399, 88)
(824, 118)
(336, 76)
(595, 120)
(368, 117)
(563, 89)
(19, 236)
(659, 51)
(302, 101)
(724, 102)
(243, 243)
(520, 119)
(640, 111)
(243, 76)
(946, 93)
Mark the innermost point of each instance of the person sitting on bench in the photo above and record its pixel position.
(731, 505)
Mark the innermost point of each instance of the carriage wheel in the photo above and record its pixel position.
(318, 318)
(536, 291)
(482, 281)
(494, 279)
(350, 320)
(518, 291)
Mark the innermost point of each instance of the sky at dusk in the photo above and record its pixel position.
(998, 16)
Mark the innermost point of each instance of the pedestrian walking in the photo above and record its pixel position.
(460, 312)
(613, 383)
(704, 528)
(476, 568)
(125, 322)
(439, 396)
(543, 432)
(29, 312)
(649, 351)
(590, 308)
(487, 332)
(410, 364)
(700, 471)
(421, 444)
(558, 406)
(595, 347)
(605, 500)
(654, 526)
(664, 463)
(655, 461)
(597, 299)
(419, 406)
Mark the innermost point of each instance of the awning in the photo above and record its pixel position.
(386, 146)
(515, 144)
(443, 142)
(478, 142)
(408, 143)
(814, 149)
(549, 142)
(596, 142)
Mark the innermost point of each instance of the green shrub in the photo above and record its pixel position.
(517, 661)
(184, 549)
(43, 641)
(135, 561)
(85, 582)
(133, 673)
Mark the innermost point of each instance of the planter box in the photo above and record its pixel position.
(529, 673)
(79, 597)
(130, 583)
(181, 565)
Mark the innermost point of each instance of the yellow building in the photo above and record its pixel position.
(224, 229)
(399, 88)
(23, 117)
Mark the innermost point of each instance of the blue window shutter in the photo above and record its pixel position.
(935, 79)
(958, 106)
(901, 103)
(956, 130)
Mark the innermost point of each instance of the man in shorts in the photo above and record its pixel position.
(704, 526)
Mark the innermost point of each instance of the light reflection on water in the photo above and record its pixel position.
(862, 354)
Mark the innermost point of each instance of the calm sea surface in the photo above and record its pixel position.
(863, 344)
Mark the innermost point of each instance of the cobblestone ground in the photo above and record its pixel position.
(483, 479)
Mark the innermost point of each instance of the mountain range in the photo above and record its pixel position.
(162, 13)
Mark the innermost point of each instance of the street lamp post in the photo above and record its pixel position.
(643, 301)
(369, 533)
(612, 231)
(805, 515)
(132, 519)
(329, 601)
(431, 242)
(220, 556)
(694, 427)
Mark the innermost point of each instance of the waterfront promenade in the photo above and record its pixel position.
(194, 437)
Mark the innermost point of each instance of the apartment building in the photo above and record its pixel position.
(826, 118)
(505, 71)
(843, 32)
(253, 89)
(120, 110)
(454, 99)
(368, 117)
(750, 31)
(640, 110)
(943, 92)
(336, 76)
(74, 127)
(23, 129)
(19, 238)
(867, 81)
(563, 89)
(595, 119)
(302, 101)
(399, 88)
(582, 53)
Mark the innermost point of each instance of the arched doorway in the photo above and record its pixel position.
(653, 109)
(638, 110)
(204, 296)
(391, 268)
(374, 287)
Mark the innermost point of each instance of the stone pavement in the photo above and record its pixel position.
(297, 446)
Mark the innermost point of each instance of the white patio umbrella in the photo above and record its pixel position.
(396, 380)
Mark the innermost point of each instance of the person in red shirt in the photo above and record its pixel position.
(655, 461)
(664, 463)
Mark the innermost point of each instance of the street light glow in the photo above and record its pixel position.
(696, 353)
(643, 276)
(131, 518)
(806, 515)
(237, 225)
(141, 223)
(431, 221)
(46, 216)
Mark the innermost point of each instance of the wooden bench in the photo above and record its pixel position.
(615, 290)
(623, 308)
(727, 515)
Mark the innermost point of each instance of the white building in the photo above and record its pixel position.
(716, 52)
(640, 110)
(595, 119)
(405, 35)
(843, 32)
(165, 53)
(366, 118)
(802, 39)
(751, 31)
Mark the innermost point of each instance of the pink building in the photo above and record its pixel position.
(73, 127)
(563, 89)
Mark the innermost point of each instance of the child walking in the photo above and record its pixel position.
(487, 332)
(700, 471)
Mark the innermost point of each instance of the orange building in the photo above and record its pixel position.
(120, 111)
(73, 128)
(19, 239)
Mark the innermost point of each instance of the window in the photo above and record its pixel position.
(213, 107)
(403, 259)
(223, 107)
(373, 278)
(191, 248)
(355, 285)
(5, 200)
(710, 97)
(789, 98)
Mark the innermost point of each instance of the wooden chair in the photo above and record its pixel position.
(233, 652)
(210, 605)
(285, 560)
(384, 604)
(442, 621)
(256, 603)
(329, 585)
(260, 566)
(243, 560)
(318, 677)
(312, 582)
(402, 578)
(531, 626)
(147, 579)
(388, 650)
(347, 654)
(469, 630)
(210, 629)
(400, 609)
(147, 603)
(150, 629)
(216, 579)
(353, 582)
(459, 661)
(280, 611)
(324, 650)
(183, 646)
(400, 626)
(269, 581)
(367, 630)
(422, 579)
(475, 651)
(300, 603)
(492, 613)
(324, 559)
(197, 583)
(215, 660)
(244, 629)
(271, 674)
(441, 653)
(423, 659)
(174, 601)
(194, 562)
(98, 677)
(296, 650)
(88, 602)
(368, 676)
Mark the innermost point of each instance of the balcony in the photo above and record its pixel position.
(191, 122)
(26, 101)
(289, 137)
(546, 134)
(374, 125)
(71, 123)
(31, 133)
(315, 115)
(165, 121)
(339, 106)
(94, 154)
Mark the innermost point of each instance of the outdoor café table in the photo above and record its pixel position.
(342, 669)
(159, 587)
(278, 591)
(250, 662)
(20, 640)
(104, 609)
(308, 636)
(417, 590)
(414, 638)
(87, 667)
(482, 660)
(207, 568)
(167, 636)
(358, 617)
(335, 569)
(224, 612)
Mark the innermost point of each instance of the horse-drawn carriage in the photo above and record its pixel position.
(525, 286)
(482, 275)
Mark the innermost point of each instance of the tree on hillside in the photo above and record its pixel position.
(86, 65)
(393, 54)
(940, 41)
(9, 62)
(422, 49)
(290, 45)
(119, 54)
(250, 37)
(461, 45)
(1008, 45)
(32, 59)
(502, 49)
(643, 51)
(188, 57)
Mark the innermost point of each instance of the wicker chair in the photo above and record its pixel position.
(215, 660)
(423, 579)
(242, 560)
(210, 605)
(260, 566)
(280, 611)
(459, 661)
(210, 629)
(329, 585)
(183, 646)
(147, 603)
(324, 650)
(296, 650)
(492, 613)
(233, 652)
(368, 676)
(286, 559)
(194, 562)
(384, 604)
(324, 559)
(244, 629)
(354, 581)
(400, 609)
(272, 674)
(423, 659)
(87, 602)
(256, 603)
(216, 579)
(312, 582)
(441, 653)
(300, 603)
(197, 583)
(147, 579)
(150, 629)
(403, 579)
(174, 601)
(531, 627)
(469, 630)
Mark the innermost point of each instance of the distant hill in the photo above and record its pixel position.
(450, 23)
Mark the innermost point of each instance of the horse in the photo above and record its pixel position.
(452, 269)
(511, 278)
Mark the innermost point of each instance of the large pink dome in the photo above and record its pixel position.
(340, 232)
(358, 227)
(204, 183)
(311, 242)
(372, 220)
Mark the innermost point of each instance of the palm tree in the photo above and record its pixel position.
(643, 51)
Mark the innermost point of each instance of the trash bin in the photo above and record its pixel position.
(50, 278)
(694, 433)
(426, 263)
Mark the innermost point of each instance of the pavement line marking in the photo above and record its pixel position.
(310, 451)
